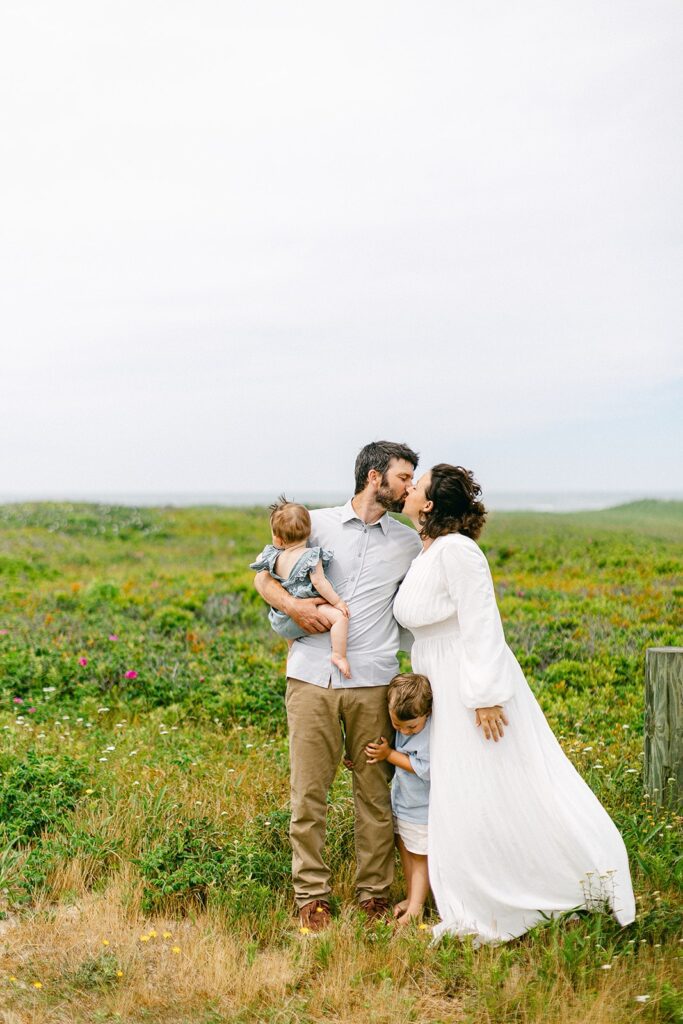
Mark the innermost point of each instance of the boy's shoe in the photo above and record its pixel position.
(315, 916)
(376, 909)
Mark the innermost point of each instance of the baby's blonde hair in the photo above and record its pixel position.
(289, 521)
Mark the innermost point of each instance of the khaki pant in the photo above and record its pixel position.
(322, 722)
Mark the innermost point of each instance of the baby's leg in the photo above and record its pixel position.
(418, 887)
(339, 631)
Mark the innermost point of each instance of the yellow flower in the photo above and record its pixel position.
(12, 978)
(423, 927)
(144, 938)
(167, 935)
(37, 984)
(105, 942)
(175, 949)
(304, 931)
(89, 791)
(119, 974)
(152, 934)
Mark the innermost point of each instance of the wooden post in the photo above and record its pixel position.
(664, 725)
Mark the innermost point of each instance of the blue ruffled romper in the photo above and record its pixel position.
(298, 583)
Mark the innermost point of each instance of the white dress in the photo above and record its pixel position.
(515, 834)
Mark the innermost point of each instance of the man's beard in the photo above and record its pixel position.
(385, 498)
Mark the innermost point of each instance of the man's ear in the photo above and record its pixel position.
(374, 477)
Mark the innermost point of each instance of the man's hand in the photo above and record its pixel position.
(343, 608)
(378, 751)
(492, 720)
(304, 611)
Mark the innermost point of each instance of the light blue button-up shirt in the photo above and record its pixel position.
(368, 565)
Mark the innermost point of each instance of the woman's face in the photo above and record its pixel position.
(417, 500)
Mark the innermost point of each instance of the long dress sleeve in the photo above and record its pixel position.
(488, 669)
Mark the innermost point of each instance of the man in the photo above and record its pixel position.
(327, 713)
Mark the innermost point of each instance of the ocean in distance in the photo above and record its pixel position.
(502, 501)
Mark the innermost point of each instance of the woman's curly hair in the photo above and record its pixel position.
(455, 494)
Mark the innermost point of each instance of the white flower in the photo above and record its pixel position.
(103, 759)
(641, 999)
(100, 711)
(605, 967)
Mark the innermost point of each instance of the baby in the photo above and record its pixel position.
(301, 571)
(410, 704)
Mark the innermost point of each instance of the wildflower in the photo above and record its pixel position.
(167, 935)
(31, 711)
(89, 791)
(105, 942)
(18, 700)
(423, 927)
(130, 675)
(132, 752)
(144, 938)
(113, 637)
(152, 934)
(249, 745)
(37, 984)
(119, 974)
(641, 999)
(175, 949)
(136, 783)
(101, 759)
(4, 632)
(631, 771)
(12, 978)
(100, 711)
(83, 662)
(605, 967)
(304, 930)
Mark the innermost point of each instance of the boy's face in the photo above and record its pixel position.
(409, 728)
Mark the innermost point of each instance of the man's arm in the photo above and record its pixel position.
(303, 610)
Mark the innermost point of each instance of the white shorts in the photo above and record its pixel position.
(413, 835)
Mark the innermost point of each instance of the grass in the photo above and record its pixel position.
(144, 867)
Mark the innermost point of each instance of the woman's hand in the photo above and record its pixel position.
(492, 720)
(378, 751)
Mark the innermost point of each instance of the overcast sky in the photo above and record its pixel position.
(239, 240)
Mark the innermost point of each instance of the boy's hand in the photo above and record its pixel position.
(378, 751)
(348, 763)
(343, 608)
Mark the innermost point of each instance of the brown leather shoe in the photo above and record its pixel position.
(376, 909)
(315, 916)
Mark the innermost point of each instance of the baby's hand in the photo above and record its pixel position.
(343, 608)
(378, 751)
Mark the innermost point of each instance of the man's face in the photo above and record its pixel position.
(393, 488)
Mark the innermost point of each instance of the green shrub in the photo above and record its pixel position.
(37, 792)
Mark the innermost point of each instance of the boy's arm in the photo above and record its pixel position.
(383, 752)
(303, 610)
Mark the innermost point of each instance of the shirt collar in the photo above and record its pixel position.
(349, 513)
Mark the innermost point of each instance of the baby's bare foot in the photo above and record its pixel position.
(400, 908)
(342, 664)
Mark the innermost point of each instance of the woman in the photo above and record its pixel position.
(515, 834)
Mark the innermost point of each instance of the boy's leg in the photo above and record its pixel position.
(407, 874)
(419, 886)
(366, 718)
(315, 749)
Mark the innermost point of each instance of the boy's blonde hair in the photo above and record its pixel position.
(289, 521)
(409, 696)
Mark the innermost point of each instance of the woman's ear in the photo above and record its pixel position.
(428, 506)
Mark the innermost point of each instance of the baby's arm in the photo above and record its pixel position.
(383, 752)
(326, 590)
(302, 609)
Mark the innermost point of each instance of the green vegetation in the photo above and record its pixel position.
(144, 792)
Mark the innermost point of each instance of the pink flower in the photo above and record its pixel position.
(4, 632)
(83, 662)
(31, 711)
(18, 700)
(113, 636)
(131, 675)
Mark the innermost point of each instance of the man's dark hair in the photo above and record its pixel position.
(377, 455)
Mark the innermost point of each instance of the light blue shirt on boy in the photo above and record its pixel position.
(410, 792)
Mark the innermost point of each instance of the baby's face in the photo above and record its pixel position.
(410, 727)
